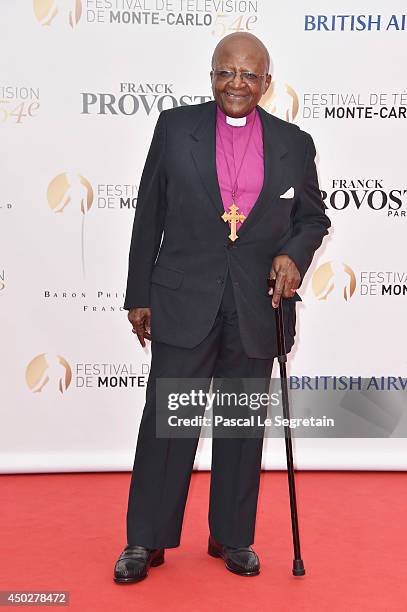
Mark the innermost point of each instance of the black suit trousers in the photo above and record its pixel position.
(162, 466)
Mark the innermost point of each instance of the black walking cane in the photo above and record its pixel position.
(298, 564)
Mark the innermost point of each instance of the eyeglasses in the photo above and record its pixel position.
(228, 75)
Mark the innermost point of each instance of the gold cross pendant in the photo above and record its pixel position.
(233, 216)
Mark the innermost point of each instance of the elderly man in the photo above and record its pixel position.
(228, 197)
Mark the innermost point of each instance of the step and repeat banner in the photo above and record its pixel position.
(82, 83)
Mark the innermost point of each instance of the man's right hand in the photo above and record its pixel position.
(140, 318)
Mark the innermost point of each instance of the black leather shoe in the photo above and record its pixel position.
(135, 561)
(242, 560)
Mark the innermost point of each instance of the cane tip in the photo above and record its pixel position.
(298, 567)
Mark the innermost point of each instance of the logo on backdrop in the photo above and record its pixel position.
(2, 279)
(337, 281)
(48, 371)
(72, 195)
(221, 16)
(89, 301)
(366, 194)
(355, 23)
(70, 189)
(131, 98)
(18, 104)
(281, 100)
(354, 105)
(49, 12)
(73, 191)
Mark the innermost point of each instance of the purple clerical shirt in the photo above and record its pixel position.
(231, 144)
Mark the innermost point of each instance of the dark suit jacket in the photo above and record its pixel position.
(179, 201)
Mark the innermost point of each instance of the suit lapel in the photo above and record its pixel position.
(274, 152)
(203, 149)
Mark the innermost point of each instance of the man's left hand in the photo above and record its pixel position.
(287, 276)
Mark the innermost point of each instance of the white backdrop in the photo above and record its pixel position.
(81, 85)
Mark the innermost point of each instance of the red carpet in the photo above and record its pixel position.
(65, 531)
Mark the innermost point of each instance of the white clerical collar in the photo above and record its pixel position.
(236, 121)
